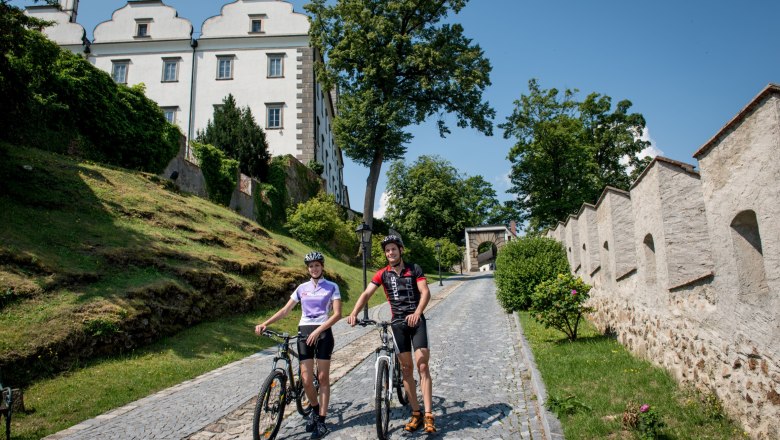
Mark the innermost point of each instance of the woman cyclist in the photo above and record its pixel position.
(319, 298)
(407, 292)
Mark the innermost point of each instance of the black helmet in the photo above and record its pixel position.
(392, 239)
(313, 256)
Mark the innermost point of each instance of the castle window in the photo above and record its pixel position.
(170, 114)
(274, 116)
(142, 27)
(119, 70)
(256, 22)
(225, 66)
(170, 71)
(749, 255)
(275, 65)
(650, 268)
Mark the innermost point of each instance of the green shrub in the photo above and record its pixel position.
(522, 264)
(321, 222)
(560, 303)
(271, 202)
(220, 173)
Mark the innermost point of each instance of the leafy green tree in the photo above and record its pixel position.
(235, 132)
(522, 264)
(395, 64)
(566, 151)
(219, 171)
(426, 198)
(320, 221)
(480, 201)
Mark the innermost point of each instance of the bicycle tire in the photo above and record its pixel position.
(398, 381)
(269, 409)
(302, 403)
(382, 403)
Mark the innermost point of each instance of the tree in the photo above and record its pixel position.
(568, 151)
(395, 64)
(426, 198)
(480, 202)
(235, 132)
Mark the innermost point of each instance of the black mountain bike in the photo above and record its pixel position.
(6, 408)
(280, 388)
(387, 375)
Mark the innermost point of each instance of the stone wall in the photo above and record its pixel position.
(686, 265)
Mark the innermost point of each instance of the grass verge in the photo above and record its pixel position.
(595, 378)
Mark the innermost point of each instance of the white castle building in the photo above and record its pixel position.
(256, 50)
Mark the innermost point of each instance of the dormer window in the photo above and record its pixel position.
(142, 27)
(256, 23)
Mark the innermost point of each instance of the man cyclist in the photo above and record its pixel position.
(407, 292)
(318, 298)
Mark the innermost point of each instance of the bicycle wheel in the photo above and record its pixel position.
(301, 400)
(398, 381)
(382, 399)
(270, 407)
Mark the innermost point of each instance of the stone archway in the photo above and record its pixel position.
(498, 235)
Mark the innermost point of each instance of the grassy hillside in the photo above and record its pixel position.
(98, 261)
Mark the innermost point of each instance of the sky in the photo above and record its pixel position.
(687, 66)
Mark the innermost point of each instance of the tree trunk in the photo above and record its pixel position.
(371, 183)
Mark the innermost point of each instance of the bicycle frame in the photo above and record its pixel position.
(284, 354)
(388, 350)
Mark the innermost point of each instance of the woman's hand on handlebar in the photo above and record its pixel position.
(352, 320)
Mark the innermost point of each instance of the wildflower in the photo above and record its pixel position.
(644, 408)
(573, 292)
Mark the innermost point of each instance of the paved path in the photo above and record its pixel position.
(481, 383)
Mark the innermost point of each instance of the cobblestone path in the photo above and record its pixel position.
(481, 383)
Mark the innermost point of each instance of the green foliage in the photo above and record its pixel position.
(317, 167)
(565, 406)
(235, 132)
(220, 172)
(522, 264)
(272, 198)
(432, 199)
(61, 102)
(395, 64)
(100, 326)
(566, 151)
(644, 419)
(321, 222)
(560, 303)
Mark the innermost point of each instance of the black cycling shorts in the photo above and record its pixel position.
(324, 348)
(407, 337)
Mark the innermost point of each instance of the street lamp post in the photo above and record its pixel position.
(438, 257)
(364, 236)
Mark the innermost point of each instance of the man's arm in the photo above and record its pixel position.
(361, 302)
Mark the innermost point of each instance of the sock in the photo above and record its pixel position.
(322, 419)
(315, 409)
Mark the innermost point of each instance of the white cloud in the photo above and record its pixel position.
(380, 213)
(651, 149)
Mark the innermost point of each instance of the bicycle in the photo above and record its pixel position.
(384, 384)
(279, 389)
(6, 408)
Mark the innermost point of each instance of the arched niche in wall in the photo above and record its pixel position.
(649, 253)
(606, 263)
(749, 256)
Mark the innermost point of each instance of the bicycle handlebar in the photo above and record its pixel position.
(367, 322)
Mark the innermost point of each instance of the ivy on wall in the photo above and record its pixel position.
(220, 173)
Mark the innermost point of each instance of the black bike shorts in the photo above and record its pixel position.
(324, 348)
(407, 337)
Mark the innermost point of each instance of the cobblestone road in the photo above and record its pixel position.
(481, 383)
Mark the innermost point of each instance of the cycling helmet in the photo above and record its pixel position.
(313, 256)
(392, 239)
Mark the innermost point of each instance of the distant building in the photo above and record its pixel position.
(257, 50)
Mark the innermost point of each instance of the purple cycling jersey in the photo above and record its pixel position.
(316, 300)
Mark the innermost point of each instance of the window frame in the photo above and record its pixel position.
(274, 57)
(269, 109)
(147, 25)
(257, 18)
(125, 63)
(225, 58)
(166, 62)
(173, 109)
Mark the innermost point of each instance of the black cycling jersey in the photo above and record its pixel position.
(401, 291)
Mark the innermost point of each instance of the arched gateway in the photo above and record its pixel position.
(498, 235)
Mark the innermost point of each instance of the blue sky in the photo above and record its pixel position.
(687, 66)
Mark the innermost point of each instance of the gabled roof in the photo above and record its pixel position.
(685, 167)
(755, 102)
(611, 189)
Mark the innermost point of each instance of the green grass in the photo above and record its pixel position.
(80, 240)
(597, 372)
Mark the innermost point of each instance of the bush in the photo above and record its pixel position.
(321, 222)
(560, 303)
(522, 264)
(643, 419)
(220, 173)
